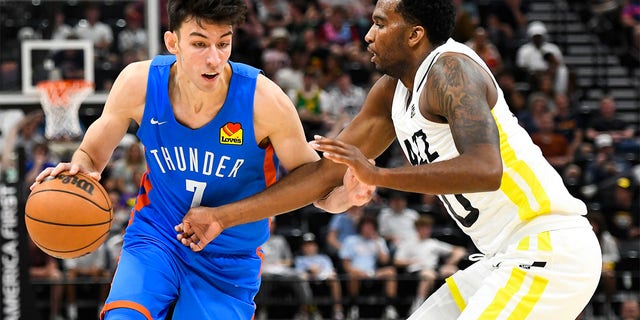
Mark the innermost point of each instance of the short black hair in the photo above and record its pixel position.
(436, 16)
(230, 12)
(367, 219)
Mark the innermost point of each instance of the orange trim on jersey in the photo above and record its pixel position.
(261, 255)
(270, 169)
(126, 304)
(143, 196)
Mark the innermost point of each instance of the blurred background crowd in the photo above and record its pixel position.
(315, 51)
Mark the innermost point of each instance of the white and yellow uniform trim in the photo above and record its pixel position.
(542, 260)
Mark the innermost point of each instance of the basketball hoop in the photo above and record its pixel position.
(61, 100)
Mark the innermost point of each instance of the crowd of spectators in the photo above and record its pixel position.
(315, 51)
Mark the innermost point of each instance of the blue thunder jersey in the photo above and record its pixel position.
(209, 166)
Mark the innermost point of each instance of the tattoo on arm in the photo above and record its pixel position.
(458, 89)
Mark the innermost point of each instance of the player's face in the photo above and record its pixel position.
(387, 39)
(202, 51)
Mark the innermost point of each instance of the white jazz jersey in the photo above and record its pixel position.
(532, 197)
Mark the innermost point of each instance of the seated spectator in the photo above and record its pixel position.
(554, 146)
(537, 105)
(125, 170)
(606, 163)
(567, 121)
(45, 267)
(24, 133)
(134, 36)
(466, 20)
(345, 100)
(366, 256)
(630, 18)
(318, 267)
(530, 56)
(337, 30)
(41, 159)
(93, 266)
(277, 267)
(622, 209)
(396, 221)
(421, 258)
(610, 254)
(481, 44)
(514, 97)
(558, 73)
(607, 121)
(310, 101)
(276, 53)
(92, 28)
(630, 309)
(342, 226)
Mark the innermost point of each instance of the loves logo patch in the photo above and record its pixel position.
(231, 133)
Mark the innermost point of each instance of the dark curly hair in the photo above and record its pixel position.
(219, 11)
(436, 16)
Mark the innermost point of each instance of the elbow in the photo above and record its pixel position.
(493, 178)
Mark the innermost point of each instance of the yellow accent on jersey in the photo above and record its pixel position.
(514, 192)
(544, 241)
(455, 292)
(524, 244)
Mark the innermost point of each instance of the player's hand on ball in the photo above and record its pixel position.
(198, 228)
(70, 168)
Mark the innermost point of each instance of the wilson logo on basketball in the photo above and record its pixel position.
(231, 133)
(82, 184)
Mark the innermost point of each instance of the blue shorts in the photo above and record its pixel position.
(151, 275)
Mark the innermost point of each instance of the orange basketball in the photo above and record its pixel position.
(68, 216)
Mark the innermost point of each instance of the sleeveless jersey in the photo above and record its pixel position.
(532, 197)
(215, 164)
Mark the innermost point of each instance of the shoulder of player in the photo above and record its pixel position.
(454, 70)
(268, 94)
(129, 89)
(136, 71)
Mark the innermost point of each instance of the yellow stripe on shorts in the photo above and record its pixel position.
(524, 307)
(455, 292)
(506, 293)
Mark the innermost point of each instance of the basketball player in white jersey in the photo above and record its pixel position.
(439, 99)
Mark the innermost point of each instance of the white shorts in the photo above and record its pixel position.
(550, 275)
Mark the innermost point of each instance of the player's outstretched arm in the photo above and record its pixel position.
(458, 93)
(372, 130)
(124, 103)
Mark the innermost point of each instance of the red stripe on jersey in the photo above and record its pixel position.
(143, 196)
(270, 170)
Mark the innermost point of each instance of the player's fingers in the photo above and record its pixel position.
(195, 247)
(45, 173)
(95, 175)
(61, 167)
(178, 227)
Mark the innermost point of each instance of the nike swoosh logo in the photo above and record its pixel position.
(154, 121)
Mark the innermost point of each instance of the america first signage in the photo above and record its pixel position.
(16, 296)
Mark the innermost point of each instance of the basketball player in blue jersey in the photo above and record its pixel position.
(214, 131)
(440, 100)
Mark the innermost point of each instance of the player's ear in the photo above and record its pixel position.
(417, 34)
(171, 41)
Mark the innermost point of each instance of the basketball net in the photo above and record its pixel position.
(61, 100)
